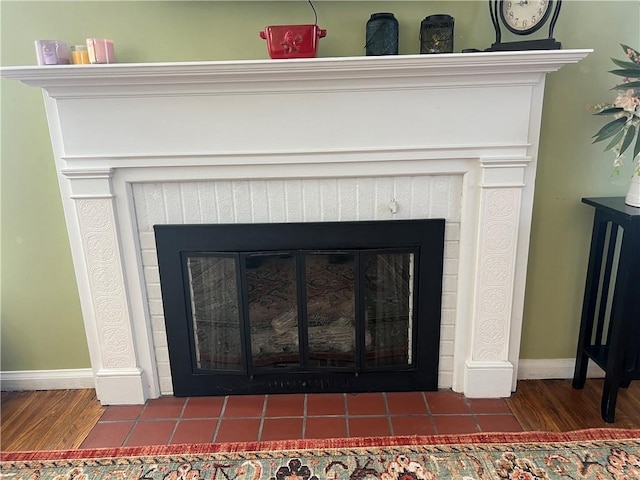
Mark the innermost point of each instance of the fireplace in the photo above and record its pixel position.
(302, 307)
(399, 137)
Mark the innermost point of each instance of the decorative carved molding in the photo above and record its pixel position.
(95, 215)
(106, 281)
(499, 217)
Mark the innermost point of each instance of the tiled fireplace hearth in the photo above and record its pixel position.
(333, 139)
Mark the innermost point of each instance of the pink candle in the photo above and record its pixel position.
(100, 50)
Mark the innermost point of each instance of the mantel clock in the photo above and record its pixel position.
(524, 17)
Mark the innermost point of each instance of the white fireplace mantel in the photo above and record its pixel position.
(115, 127)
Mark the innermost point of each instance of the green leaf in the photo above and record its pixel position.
(628, 138)
(615, 140)
(626, 86)
(626, 72)
(610, 129)
(636, 148)
(609, 111)
(623, 64)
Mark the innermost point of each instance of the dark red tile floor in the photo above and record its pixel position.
(170, 420)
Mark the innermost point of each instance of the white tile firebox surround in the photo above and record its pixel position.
(304, 200)
(298, 140)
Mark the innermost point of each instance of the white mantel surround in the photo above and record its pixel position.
(473, 115)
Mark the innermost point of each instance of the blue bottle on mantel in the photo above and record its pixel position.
(382, 34)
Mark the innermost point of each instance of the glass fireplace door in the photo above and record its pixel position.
(328, 332)
(388, 297)
(271, 289)
(330, 288)
(215, 314)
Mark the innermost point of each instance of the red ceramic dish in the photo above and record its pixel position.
(292, 41)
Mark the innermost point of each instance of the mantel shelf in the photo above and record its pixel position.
(336, 68)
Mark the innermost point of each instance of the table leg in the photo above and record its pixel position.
(590, 296)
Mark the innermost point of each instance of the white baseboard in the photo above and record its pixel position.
(487, 379)
(528, 369)
(47, 379)
(548, 368)
(120, 386)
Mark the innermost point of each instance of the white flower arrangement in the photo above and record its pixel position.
(624, 131)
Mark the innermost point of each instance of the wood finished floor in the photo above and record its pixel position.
(555, 406)
(47, 420)
(63, 419)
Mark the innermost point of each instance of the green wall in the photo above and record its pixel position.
(41, 324)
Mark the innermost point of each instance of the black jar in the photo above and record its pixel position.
(382, 34)
(436, 34)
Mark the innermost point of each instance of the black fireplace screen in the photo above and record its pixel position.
(273, 308)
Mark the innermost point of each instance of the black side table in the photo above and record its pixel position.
(610, 325)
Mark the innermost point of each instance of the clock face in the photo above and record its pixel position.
(524, 16)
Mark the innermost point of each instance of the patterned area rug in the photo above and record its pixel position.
(588, 454)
